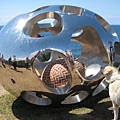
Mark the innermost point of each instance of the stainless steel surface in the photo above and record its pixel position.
(100, 87)
(53, 71)
(31, 97)
(76, 98)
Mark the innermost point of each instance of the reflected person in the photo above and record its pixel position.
(26, 62)
(14, 62)
(112, 52)
(3, 61)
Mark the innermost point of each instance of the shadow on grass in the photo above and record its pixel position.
(89, 109)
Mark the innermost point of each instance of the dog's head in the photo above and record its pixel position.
(111, 74)
(107, 70)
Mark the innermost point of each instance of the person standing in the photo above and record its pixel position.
(14, 62)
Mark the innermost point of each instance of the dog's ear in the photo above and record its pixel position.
(119, 68)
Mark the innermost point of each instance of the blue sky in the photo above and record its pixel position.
(108, 9)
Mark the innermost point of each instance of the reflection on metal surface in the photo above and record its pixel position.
(93, 70)
(31, 97)
(36, 54)
(76, 98)
(100, 87)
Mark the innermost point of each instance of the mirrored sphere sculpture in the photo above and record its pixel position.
(55, 54)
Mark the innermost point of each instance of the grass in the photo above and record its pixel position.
(98, 107)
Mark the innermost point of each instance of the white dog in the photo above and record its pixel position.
(113, 79)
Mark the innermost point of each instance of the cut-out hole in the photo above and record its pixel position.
(44, 57)
(76, 49)
(72, 10)
(45, 34)
(105, 25)
(57, 73)
(77, 33)
(47, 23)
(12, 80)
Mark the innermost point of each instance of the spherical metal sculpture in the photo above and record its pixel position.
(44, 69)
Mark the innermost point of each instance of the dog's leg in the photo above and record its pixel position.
(116, 111)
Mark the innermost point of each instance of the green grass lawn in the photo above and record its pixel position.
(98, 107)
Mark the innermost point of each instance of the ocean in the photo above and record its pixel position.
(76, 48)
(117, 30)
